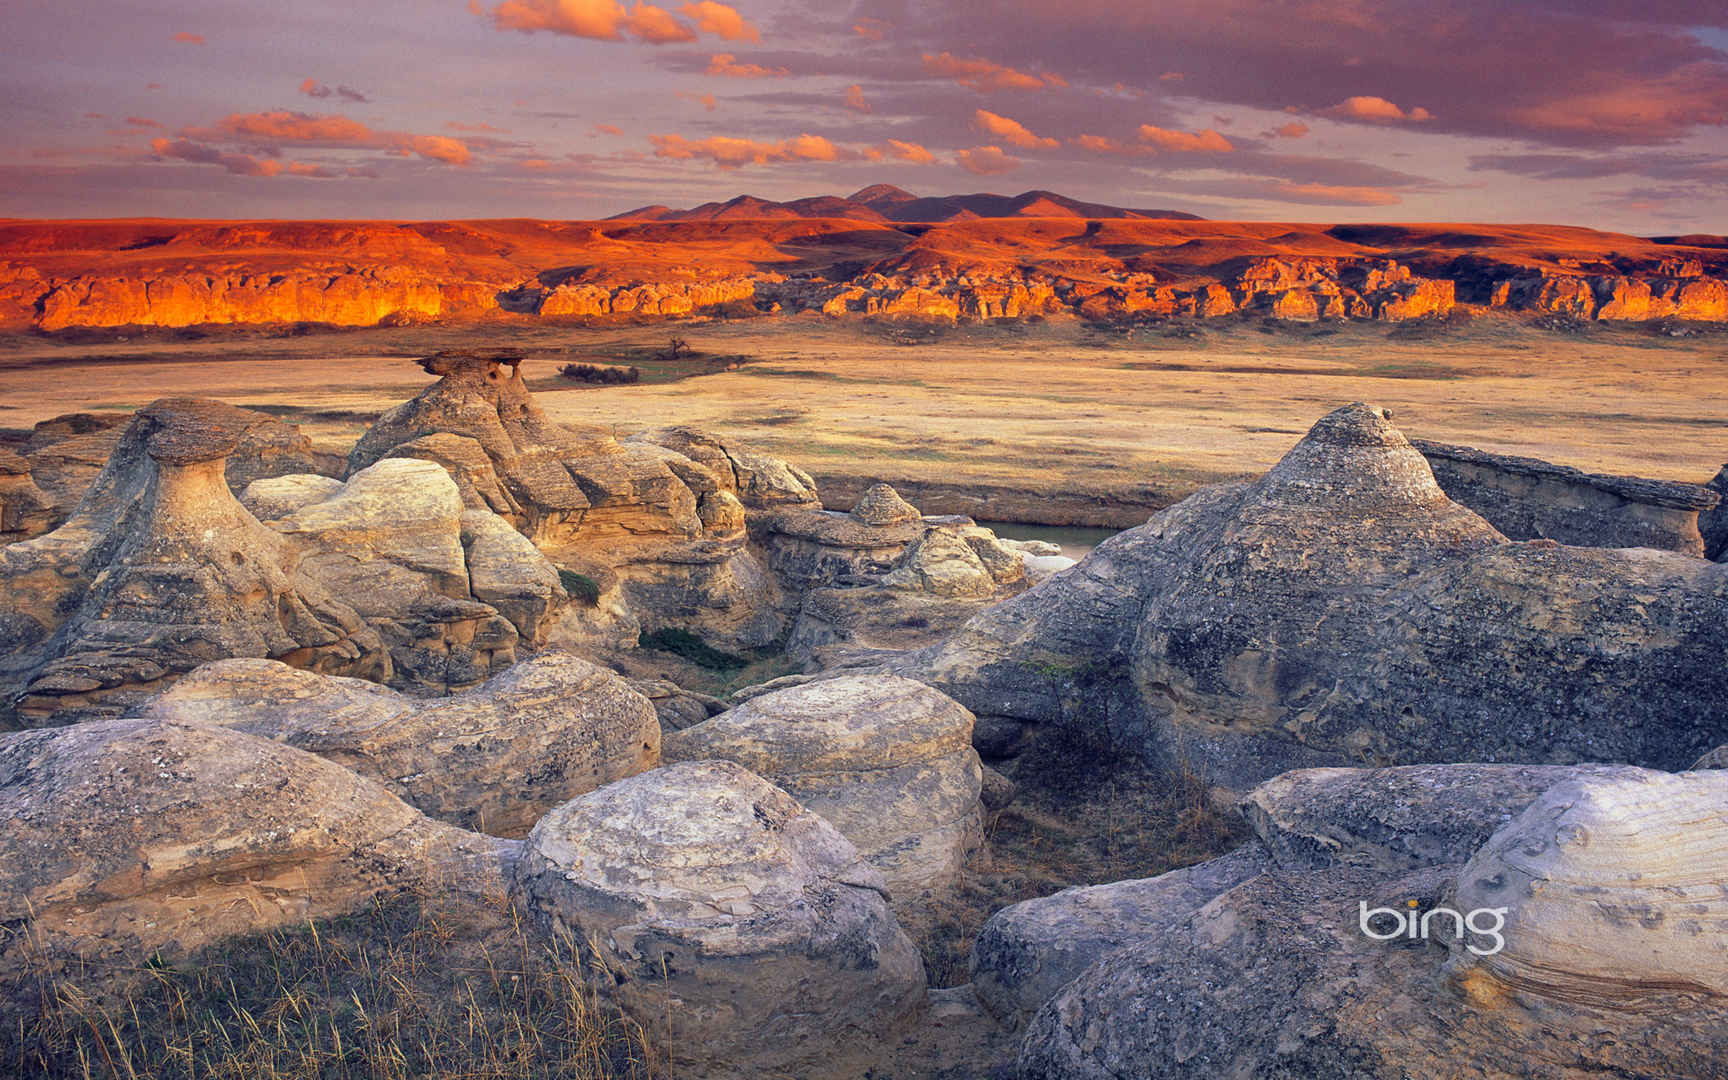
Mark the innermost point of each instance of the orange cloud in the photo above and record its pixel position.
(609, 129)
(1376, 110)
(477, 129)
(189, 39)
(721, 20)
(238, 164)
(727, 65)
(1100, 144)
(985, 76)
(1333, 193)
(731, 153)
(871, 29)
(329, 129)
(1172, 76)
(986, 160)
(1012, 132)
(908, 152)
(598, 20)
(855, 99)
(1295, 129)
(1183, 142)
(142, 122)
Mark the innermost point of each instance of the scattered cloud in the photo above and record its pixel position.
(238, 164)
(189, 39)
(985, 76)
(476, 129)
(1171, 76)
(281, 127)
(1184, 142)
(721, 20)
(855, 99)
(608, 129)
(732, 153)
(314, 88)
(1012, 132)
(727, 65)
(1295, 129)
(986, 160)
(910, 152)
(871, 29)
(142, 122)
(1376, 110)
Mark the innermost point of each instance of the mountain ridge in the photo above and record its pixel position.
(887, 203)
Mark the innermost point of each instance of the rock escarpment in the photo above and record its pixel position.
(716, 904)
(130, 837)
(1528, 499)
(1584, 936)
(887, 761)
(1342, 609)
(492, 759)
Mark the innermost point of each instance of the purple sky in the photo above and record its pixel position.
(1610, 113)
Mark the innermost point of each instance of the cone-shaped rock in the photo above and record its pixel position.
(882, 505)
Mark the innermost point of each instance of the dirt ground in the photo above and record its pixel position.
(1044, 409)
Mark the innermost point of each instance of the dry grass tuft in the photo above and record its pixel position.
(409, 988)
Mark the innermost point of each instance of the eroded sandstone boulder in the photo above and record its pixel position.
(160, 570)
(25, 509)
(132, 837)
(888, 761)
(716, 904)
(491, 759)
(1342, 608)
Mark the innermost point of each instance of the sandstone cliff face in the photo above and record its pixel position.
(1342, 609)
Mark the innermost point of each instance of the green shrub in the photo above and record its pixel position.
(690, 647)
(579, 586)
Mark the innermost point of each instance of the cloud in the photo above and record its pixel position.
(1172, 76)
(1101, 144)
(281, 127)
(1691, 168)
(908, 152)
(727, 65)
(142, 122)
(608, 129)
(1295, 129)
(985, 76)
(238, 164)
(1376, 110)
(1183, 142)
(597, 20)
(189, 39)
(855, 99)
(316, 89)
(732, 153)
(476, 129)
(1012, 132)
(986, 160)
(871, 29)
(721, 20)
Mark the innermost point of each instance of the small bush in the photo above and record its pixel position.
(599, 373)
(579, 586)
(690, 647)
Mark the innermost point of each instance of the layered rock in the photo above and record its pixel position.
(492, 759)
(131, 838)
(718, 906)
(1713, 523)
(1585, 936)
(160, 570)
(1528, 499)
(1342, 608)
(888, 761)
(25, 509)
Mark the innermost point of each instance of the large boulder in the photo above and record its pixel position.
(1586, 938)
(888, 761)
(158, 571)
(491, 759)
(715, 905)
(132, 837)
(1341, 609)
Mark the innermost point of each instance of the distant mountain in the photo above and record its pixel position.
(885, 202)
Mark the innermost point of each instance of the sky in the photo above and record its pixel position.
(1606, 113)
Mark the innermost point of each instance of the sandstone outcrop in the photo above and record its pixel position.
(160, 570)
(1600, 950)
(887, 761)
(132, 837)
(492, 759)
(1343, 609)
(1713, 523)
(25, 509)
(716, 904)
(1528, 499)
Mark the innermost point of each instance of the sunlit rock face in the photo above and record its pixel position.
(1342, 608)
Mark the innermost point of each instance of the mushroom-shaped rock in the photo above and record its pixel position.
(880, 504)
(721, 906)
(888, 761)
(159, 570)
(492, 759)
(132, 836)
(1342, 608)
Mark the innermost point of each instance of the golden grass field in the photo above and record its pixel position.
(1040, 409)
